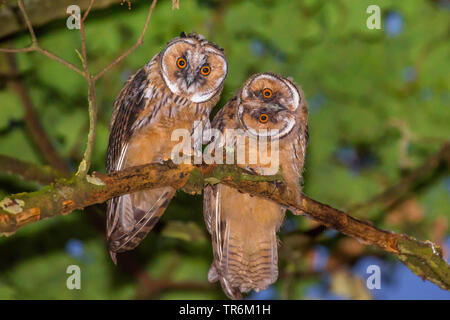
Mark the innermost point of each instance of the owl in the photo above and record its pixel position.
(175, 90)
(243, 227)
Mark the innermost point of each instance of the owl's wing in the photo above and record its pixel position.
(217, 228)
(129, 104)
(212, 211)
(130, 217)
(209, 192)
(135, 215)
(299, 149)
(294, 177)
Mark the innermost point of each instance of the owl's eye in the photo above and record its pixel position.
(181, 63)
(267, 93)
(263, 118)
(205, 70)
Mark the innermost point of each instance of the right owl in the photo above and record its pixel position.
(243, 227)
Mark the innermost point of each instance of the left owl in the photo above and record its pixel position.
(178, 87)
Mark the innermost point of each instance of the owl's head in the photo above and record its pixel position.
(270, 105)
(193, 68)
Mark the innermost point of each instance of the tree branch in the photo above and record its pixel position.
(64, 196)
(398, 192)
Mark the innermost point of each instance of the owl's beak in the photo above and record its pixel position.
(189, 79)
(276, 107)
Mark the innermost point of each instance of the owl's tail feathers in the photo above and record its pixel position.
(249, 260)
(113, 256)
(132, 216)
(232, 292)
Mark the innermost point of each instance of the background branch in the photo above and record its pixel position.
(391, 195)
(29, 171)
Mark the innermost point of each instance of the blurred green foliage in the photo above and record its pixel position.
(379, 106)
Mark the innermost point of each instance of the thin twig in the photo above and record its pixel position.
(137, 44)
(86, 162)
(28, 22)
(87, 11)
(60, 60)
(27, 49)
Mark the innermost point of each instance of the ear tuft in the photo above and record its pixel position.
(183, 34)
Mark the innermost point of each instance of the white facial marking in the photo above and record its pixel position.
(273, 133)
(198, 97)
(295, 96)
(202, 96)
(292, 89)
(195, 60)
(172, 86)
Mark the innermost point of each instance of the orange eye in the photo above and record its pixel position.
(181, 63)
(205, 70)
(263, 118)
(267, 93)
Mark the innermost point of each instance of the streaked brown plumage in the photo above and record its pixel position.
(243, 228)
(162, 96)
